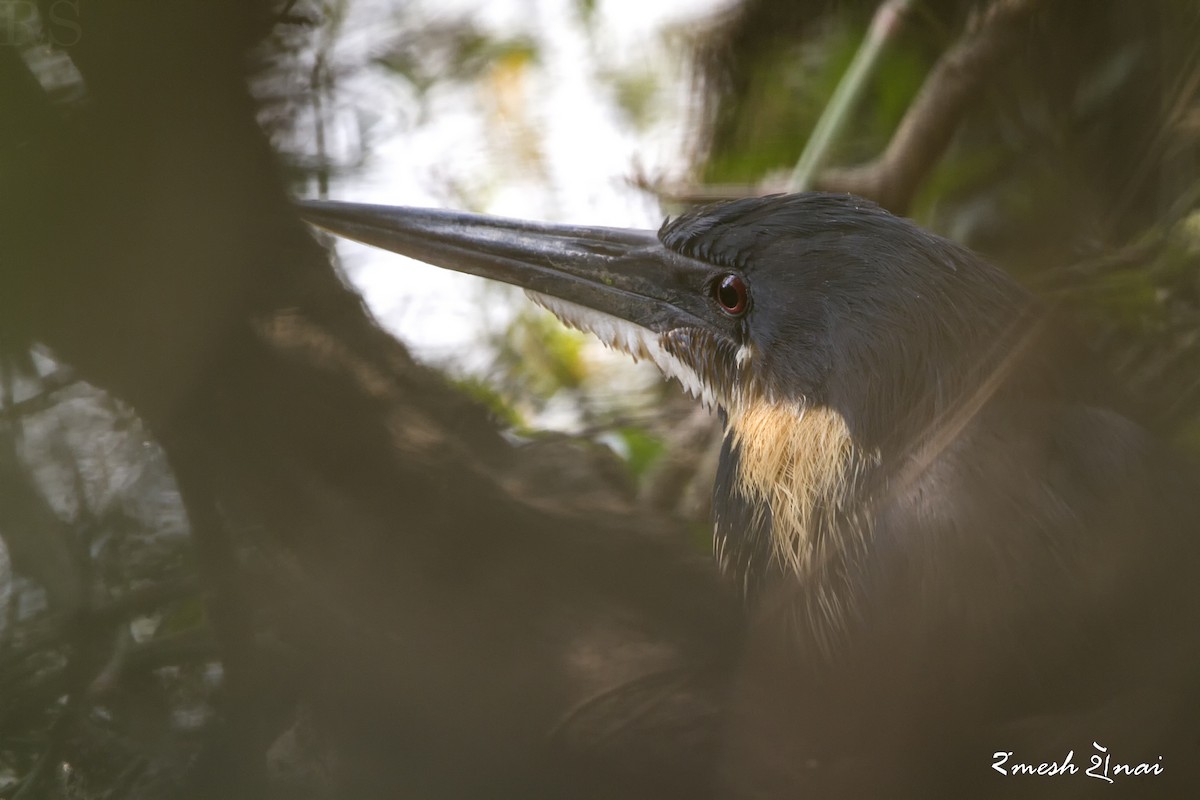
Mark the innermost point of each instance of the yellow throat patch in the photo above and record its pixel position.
(802, 463)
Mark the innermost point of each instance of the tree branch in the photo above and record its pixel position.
(888, 20)
(892, 180)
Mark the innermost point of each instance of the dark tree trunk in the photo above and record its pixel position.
(451, 624)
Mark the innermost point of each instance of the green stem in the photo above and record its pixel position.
(884, 27)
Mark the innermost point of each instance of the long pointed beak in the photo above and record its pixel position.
(624, 273)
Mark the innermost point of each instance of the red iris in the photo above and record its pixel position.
(731, 295)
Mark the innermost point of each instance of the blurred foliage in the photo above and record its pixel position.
(637, 93)
(642, 450)
(451, 51)
(307, 78)
(548, 383)
(488, 396)
(586, 9)
(541, 356)
(102, 591)
(768, 75)
(1083, 145)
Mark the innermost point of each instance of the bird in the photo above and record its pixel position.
(966, 568)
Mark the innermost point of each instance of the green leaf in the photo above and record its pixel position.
(642, 449)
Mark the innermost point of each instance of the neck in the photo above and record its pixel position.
(788, 487)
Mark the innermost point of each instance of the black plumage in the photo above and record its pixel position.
(957, 555)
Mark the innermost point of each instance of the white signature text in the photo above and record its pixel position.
(1100, 765)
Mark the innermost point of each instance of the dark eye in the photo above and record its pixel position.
(730, 293)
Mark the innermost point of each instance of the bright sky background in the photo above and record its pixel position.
(587, 151)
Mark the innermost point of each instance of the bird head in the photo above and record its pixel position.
(830, 334)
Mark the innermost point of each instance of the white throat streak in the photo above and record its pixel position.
(629, 338)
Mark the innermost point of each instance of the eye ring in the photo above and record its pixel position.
(730, 294)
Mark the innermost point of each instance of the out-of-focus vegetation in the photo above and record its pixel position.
(111, 683)
(1077, 167)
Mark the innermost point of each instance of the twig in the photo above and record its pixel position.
(925, 132)
(32, 785)
(230, 613)
(887, 21)
(187, 647)
(43, 634)
(691, 194)
(87, 645)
